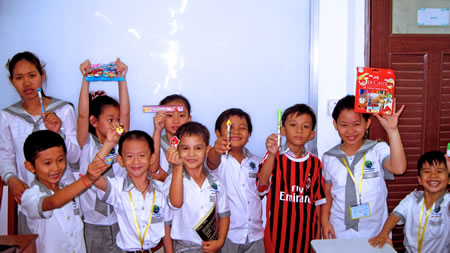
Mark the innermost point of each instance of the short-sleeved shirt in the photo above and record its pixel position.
(437, 233)
(117, 194)
(197, 202)
(59, 230)
(295, 190)
(15, 126)
(163, 163)
(90, 204)
(245, 203)
(373, 190)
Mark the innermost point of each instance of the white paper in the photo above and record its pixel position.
(433, 16)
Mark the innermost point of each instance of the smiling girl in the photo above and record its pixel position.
(354, 173)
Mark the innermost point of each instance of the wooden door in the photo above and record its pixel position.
(422, 68)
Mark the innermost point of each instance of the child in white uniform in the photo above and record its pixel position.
(354, 173)
(238, 170)
(17, 121)
(97, 113)
(425, 213)
(137, 199)
(170, 122)
(193, 193)
(53, 211)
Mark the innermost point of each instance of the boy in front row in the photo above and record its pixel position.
(137, 199)
(292, 179)
(52, 210)
(194, 193)
(424, 213)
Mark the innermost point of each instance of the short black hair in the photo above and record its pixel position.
(175, 97)
(299, 109)
(39, 141)
(431, 157)
(136, 135)
(225, 115)
(346, 103)
(193, 128)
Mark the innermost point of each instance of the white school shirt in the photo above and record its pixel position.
(117, 195)
(437, 235)
(59, 230)
(373, 190)
(196, 204)
(14, 130)
(163, 163)
(88, 199)
(245, 204)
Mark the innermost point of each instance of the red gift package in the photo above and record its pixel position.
(374, 90)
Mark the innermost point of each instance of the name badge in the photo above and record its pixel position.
(76, 207)
(360, 211)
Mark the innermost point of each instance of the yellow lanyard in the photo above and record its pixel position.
(141, 240)
(351, 175)
(421, 235)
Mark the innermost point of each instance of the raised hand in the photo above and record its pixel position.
(390, 122)
(122, 68)
(52, 122)
(85, 67)
(173, 157)
(272, 144)
(221, 145)
(159, 119)
(95, 169)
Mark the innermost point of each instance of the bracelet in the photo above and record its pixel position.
(99, 157)
(82, 180)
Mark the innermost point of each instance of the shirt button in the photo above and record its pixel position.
(68, 217)
(71, 234)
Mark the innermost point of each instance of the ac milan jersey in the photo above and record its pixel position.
(295, 191)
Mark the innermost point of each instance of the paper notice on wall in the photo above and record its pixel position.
(433, 16)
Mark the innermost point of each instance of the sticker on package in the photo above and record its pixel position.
(104, 72)
(374, 90)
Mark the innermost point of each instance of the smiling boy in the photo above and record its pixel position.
(238, 171)
(52, 210)
(425, 214)
(193, 192)
(292, 179)
(137, 199)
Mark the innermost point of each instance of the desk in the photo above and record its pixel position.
(349, 246)
(26, 243)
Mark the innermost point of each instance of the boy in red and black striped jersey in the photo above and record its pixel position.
(292, 180)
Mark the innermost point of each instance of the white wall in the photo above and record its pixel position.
(341, 49)
(250, 54)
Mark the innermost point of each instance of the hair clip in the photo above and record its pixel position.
(98, 93)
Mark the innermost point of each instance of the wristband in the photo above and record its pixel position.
(82, 180)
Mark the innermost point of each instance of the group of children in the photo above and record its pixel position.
(83, 185)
